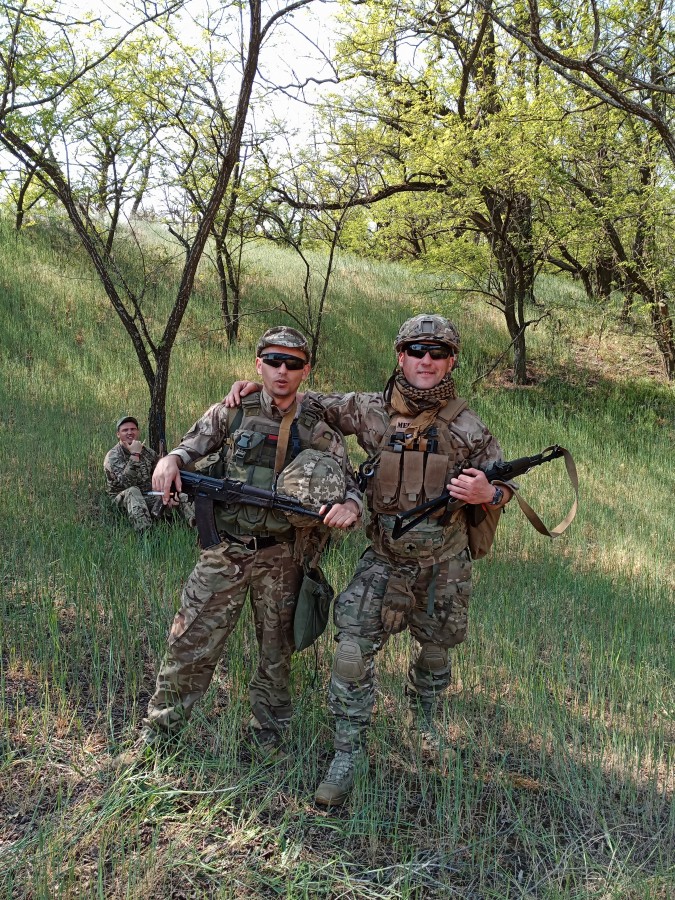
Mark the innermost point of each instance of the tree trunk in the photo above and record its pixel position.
(662, 323)
(157, 411)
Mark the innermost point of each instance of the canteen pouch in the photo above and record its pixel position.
(312, 609)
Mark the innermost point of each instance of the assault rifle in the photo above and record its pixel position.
(207, 491)
(496, 471)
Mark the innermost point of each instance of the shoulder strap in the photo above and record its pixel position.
(251, 403)
(452, 409)
(311, 411)
(234, 417)
(534, 519)
(425, 419)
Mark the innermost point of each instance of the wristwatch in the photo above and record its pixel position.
(497, 497)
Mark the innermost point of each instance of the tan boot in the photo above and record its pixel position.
(339, 779)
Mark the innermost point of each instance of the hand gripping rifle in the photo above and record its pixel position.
(496, 471)
(207, 491)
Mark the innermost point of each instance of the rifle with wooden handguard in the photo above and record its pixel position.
(496, 471)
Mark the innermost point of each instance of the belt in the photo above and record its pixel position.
(256, 542)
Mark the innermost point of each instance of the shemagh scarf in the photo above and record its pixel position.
(422, 403)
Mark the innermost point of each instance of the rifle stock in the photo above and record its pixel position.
(496, 471)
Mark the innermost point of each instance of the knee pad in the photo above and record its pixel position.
(432, 658)
(348, 663)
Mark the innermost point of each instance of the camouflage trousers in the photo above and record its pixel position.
(211, 603)
(144, 511)
(445, 588)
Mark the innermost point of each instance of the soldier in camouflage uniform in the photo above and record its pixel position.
(414, 433)
(128, 471)
(260, 551)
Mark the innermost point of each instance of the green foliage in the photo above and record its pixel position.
(562, 713)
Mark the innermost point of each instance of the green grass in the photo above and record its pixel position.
(562, 711)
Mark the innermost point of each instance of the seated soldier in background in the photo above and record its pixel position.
(128, 473)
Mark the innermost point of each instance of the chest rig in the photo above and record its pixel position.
(250, 456)
(412, 462)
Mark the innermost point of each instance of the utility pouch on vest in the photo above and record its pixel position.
(312, 608)
(424, 542)
(435, 475)
(412, 480)
(387, 479)
(246, 447)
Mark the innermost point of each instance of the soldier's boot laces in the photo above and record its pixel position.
(339, 779)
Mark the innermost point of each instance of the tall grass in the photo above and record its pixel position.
(561, 718)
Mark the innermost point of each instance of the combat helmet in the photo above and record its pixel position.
(283, 336)
(312, 478)
(427, 327)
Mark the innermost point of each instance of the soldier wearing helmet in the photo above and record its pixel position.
(415, 433)
(259, 552)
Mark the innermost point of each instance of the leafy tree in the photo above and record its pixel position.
(434, 106)
(620, 53)
(46, 58)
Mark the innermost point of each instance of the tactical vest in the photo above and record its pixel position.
(413, 466)
(249, 456)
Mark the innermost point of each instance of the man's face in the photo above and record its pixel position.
(424, 372)
(280, 382)
(128, 432)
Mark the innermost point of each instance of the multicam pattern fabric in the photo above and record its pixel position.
(431, 562)
(128, 480)
(367, 416)
(214, 595)
(210, 432)
(358, 618)
(123, 471)
(427, 328)
(212, 600)
(283, 336)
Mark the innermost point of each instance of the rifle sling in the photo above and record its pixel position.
(534, 519)
(282, 440)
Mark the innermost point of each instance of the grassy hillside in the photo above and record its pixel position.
(562, 713)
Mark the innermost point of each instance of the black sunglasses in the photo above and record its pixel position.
(435, 351)
(276, 360)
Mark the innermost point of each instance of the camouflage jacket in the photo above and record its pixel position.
(122, 471)
(212, 431)
(367, 416)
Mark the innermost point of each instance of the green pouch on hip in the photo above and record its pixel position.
(312, 609)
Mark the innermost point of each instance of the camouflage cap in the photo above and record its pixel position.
(124, 419)
(283, 336)
(312, 478)
(427, 327)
